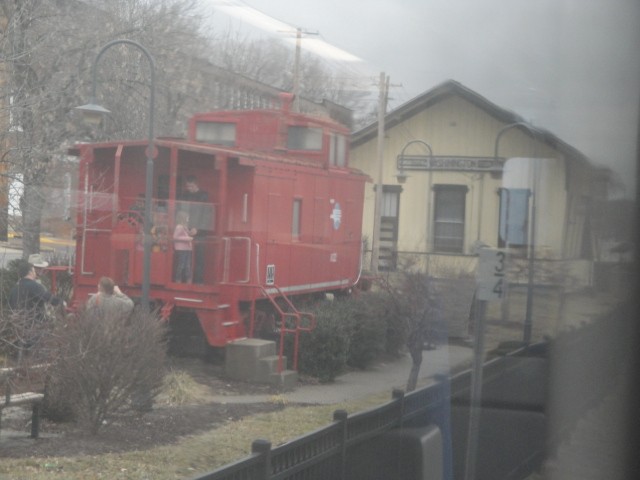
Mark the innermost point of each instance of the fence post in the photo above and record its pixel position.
(341, 416)
(398, 394)
(263, 448)
(444, 422)
(36, 409)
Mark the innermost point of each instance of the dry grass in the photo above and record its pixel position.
(179, 388)
(190, 456)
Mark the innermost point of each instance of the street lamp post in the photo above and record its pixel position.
(528, 321)
(93, 112)
(400, 175)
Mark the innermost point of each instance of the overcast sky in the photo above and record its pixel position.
(569, 66)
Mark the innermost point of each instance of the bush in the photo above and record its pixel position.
(350, 332)
(104, 364)
(8, 278)
(386, 313)
(323, 351)
(367, 330)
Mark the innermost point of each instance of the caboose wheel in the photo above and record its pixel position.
(186, 338)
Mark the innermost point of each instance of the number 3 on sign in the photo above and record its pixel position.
(491, 274)
(499, 273)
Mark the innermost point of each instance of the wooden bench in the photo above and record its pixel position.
(16, 399)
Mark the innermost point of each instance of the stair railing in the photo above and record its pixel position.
(301, 322)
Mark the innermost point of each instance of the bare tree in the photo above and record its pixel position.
(270, 61)
(48, 47)
(411, 293)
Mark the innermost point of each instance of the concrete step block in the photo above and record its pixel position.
(287, 379)
(242, 357)
(269, 365)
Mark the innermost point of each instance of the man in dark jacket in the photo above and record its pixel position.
(29, 297)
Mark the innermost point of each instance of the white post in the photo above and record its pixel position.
(382, 107)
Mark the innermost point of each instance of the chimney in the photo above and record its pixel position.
(286, 99)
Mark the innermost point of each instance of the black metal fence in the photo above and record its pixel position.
(514, 400)
(323, 454)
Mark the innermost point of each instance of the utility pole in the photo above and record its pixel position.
(296, 71)
(296, 67)
(382, 110)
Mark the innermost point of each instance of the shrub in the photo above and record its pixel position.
(8, 278)
(104, 364)
(367, 330)
(323, 351)
(386, 313)
(350, 331)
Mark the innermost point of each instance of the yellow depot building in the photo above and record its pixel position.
(459, 172)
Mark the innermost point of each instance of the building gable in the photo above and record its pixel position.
(446, 152)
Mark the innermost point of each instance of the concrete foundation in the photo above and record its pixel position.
(255, 360)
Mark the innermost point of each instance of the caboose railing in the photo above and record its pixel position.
(297, 318)
(291, 319)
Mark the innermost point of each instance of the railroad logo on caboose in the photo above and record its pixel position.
(336, 216)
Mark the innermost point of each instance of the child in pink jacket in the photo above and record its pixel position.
(183, 246)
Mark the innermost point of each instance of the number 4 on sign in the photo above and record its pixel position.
(491, 274)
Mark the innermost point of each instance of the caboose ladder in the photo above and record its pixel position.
(291, 321)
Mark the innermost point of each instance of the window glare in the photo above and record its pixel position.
(304, 138)
(218, 133)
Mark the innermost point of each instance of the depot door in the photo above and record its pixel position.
(387, 255)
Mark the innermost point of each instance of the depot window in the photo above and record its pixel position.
(218, 133)
(448, 218)
(304, 138)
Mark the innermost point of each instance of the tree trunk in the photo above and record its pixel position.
(31, 216)
(415, 350)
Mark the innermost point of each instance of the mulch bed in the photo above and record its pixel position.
(132, 431)
(125, 432)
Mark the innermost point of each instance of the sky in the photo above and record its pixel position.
(568, 66)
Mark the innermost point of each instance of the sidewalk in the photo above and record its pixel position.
(382, 378)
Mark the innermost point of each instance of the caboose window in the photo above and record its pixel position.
(219, 133)
(338, 150)
(304, 138)
(295, 224)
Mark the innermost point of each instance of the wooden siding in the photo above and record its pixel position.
(454, 126)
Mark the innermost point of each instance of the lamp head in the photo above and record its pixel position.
(92, 113)
(401, 177)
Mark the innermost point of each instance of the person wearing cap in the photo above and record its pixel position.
(38, 263)
(28, 296)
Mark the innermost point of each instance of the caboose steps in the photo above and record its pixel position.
(255, 360)
(287, 379)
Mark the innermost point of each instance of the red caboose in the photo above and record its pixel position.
(283, 217)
